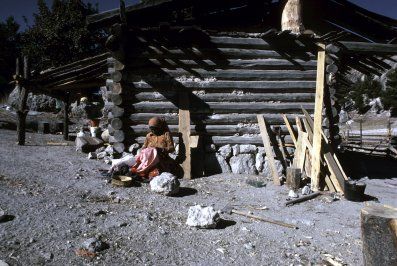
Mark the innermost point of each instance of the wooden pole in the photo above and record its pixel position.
(268, 149)
(22, 110)
(66, 104)
(318, 110)
(184, 130)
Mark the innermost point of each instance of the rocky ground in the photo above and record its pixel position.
(56, 199)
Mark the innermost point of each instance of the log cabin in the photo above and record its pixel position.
(210, 67)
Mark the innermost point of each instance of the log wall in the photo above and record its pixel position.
(230, 81)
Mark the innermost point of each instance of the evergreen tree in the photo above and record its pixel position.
(59, 34)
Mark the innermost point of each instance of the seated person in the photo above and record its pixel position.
(154, 158)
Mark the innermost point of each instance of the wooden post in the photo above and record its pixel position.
(184, 130)
(293, 178)
(290, 130)
(318, 110)
(268, 149)
(379, 235)
(66, 105)
(22, 111)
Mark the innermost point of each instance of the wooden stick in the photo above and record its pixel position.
(268, 149)
(318, 110)
(267, 220)
(302, 199)
(290, 130)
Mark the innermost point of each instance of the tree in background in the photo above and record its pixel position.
(59, 34)
(389, 95)
(9, 50)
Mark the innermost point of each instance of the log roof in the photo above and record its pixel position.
(78, 76)
(321, 16)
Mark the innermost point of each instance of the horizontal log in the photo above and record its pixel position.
(231, 97)
(217, 119)
(222, 108)
(231, 63)
(278, 86)
(222, 74)
(213, 130)
(369, 48)
(202, 54)
(232, 140)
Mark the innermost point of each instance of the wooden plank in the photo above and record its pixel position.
(184, 130)
(298, 123)
(290, 130)
(268, 149)
(318, 110)
(300, 151)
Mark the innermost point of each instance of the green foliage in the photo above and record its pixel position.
(10, 48)
(59, 34)
(361, 93)
(389, 95)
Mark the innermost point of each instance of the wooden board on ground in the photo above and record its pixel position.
(268, 149)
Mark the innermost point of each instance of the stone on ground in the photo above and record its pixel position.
(243, 164)
(105, 135)
(94, 245)
(166, 184)
(267, 170)
(292, 194)
(87, 144)
(306, 190)
(3, 263)
(202, 217)
(92, 155)
(248, 149)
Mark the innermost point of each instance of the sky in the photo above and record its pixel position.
(20, 8)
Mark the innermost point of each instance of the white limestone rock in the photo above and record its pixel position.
(243, 164)
(267, 170)
(166, 184)
(202, 217)
(292, 194)
(134, 148)
(306, 190)
(105, 135)
(236, 150)
(248, 149)
(226, 151)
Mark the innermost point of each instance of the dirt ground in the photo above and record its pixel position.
(56, 199)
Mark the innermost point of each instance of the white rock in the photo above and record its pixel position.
(243, 164)
(267, 170)
(343, 116)
(292, 194)
(236, 150)
(3, 263)
(306, 190)
(101, 155)
(259, 161)
(166, 184)
(93, 245)
(223, 164)
(109, 150)
(128, 160)
(105, 135)
(226, 151)
(92, 155)
(134, 148)
(202, 217)
(248, 149)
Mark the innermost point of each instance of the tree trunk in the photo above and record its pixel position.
(379, 235)
(291, 18)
